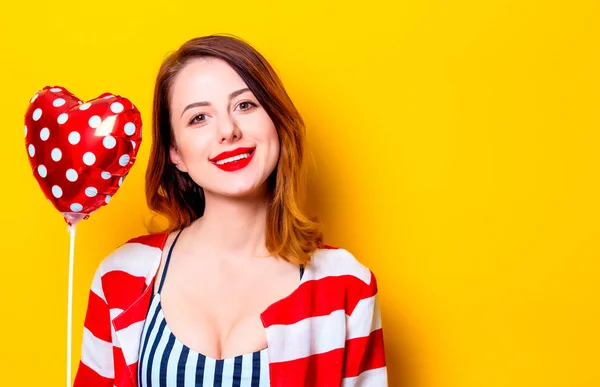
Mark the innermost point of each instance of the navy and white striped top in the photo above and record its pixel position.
(164, 361)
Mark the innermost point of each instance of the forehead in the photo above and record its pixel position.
(205, 79)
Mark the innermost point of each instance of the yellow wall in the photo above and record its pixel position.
(457, 152)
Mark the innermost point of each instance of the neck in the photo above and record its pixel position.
(232, 226)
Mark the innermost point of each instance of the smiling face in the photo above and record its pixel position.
(224, 139)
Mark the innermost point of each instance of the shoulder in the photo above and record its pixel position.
(343, 275)
(330, 261)
(127, 270)
(137, 256)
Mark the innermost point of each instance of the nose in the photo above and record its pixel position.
(229, 130)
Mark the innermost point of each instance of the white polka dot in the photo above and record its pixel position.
(37, 114)
(44, 134)
(133, 144)
(58, 102)
(56, 90)
(124, 160)
(56, 154)
(120, 181)
(34, 98)
(106, 175)
(129, 128)
(85, 106)
(63, 118)
(56, 191)
(74, 138)
(31, 149)
(25, 130)
(89, 158)
(72, 175)
(116, 107)
(42, 171)
(109, 142)
(107, 199)
(95, 121)
(76, 207)
(91, 192)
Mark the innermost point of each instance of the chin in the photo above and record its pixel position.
(241, 190)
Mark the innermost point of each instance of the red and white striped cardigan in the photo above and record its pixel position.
(327, 332)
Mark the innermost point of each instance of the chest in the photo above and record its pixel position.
(163, 358)
(217, 312)
(292, 334)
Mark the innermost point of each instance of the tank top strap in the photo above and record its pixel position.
(164, 273)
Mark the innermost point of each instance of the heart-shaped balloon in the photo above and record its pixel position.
(80, 152)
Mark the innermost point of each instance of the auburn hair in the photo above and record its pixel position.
(290, 232)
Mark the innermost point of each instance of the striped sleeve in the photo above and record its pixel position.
(96, 367)
(364, 357)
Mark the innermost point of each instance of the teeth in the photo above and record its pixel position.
(232, 159)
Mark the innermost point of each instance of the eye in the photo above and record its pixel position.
(246, 105)
(198, 118)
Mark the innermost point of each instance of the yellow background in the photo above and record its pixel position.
(456, 145)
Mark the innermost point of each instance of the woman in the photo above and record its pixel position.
(240, 290)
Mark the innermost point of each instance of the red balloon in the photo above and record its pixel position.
(80, 152)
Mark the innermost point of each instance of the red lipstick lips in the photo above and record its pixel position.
(233, 160)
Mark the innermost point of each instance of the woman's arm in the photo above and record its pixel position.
(96, 367)
(364, 360)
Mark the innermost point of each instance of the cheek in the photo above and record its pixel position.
(194, 148)
(274, 138)
(262, 128)
(276, 143)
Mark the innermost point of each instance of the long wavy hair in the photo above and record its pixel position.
(291, 233)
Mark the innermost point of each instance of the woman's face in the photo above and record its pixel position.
(224, 139)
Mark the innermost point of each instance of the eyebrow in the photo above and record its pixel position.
(205, 103)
